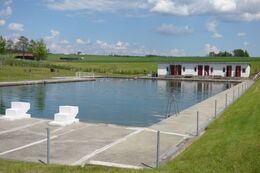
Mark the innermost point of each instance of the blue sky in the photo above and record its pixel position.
(135, 27)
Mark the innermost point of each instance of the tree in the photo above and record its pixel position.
(246, 54)
(40, 51)
(212, 54)
(239, 52)
(31, 46)
(22, 44)
(9, 46)
(2, 44)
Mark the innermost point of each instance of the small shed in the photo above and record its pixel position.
(214, 69)
(25, 56)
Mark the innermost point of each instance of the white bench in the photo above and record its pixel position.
(17, 111)
(67, 115)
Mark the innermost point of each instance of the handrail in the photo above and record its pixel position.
(256, 76)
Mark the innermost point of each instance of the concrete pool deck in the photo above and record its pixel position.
(109, 145)
(47, 81)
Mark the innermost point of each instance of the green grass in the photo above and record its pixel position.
(16, 73)
(121, 65)
(230, 144)
(127, 65)
(100, 58)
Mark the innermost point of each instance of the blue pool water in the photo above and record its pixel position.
(112, 101)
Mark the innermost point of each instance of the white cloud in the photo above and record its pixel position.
(177, 52)
(235, 10)
(54, 35)
(2, 22)
(64, 42)
(79, 41)
(16, 27)
(169, 29)
(246, 43)
(216, 35)
(8, 2)
(6, 12)
(212, 28)
(169, 7)
(241, 34)
(211, 48)
(97, 5)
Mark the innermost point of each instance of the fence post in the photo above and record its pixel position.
(233, 95)
(158, 149)
(48, 145)
(215, 108)
(226, 101)
(197, 134)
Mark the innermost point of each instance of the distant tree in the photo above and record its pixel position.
(31, 46)
(22, 44)
(2, 44)
(9, 46)
(78, 53)
(40, 51)
(212, 54)
(246, 54)
(239, 53)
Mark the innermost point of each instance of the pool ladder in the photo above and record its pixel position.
(172, 104)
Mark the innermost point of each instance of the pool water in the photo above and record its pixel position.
(112, 101)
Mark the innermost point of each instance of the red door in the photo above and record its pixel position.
(172, 69)
(200, 67)
(178, 69)
(238, 71)
(229, 71)
(206, 70)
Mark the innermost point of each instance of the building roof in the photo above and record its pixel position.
(25, 55)
(181, 62)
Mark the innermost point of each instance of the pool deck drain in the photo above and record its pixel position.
(104, 144)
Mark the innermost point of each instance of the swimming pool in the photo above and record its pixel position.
(112, 101)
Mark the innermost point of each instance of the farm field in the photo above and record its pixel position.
(113, 66)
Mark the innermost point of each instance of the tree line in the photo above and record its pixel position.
(24, 45)
(235, 53)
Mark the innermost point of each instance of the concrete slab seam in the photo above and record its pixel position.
(21, 127)
(85, 158)
(33, 143)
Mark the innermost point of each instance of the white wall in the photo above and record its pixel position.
(217, 69)
(162, 69)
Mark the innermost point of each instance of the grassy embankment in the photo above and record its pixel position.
(230, 144)
(101, 65)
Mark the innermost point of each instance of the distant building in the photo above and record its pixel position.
(71, 58)
(25, 56)
(214, 69)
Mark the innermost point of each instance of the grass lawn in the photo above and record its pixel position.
(230, 144)
(15, 73)
(121, 65)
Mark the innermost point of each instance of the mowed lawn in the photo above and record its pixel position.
(230, 144)
(18, 73)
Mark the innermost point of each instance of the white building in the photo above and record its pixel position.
(217, 69)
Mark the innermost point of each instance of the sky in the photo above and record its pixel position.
(135, 27)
